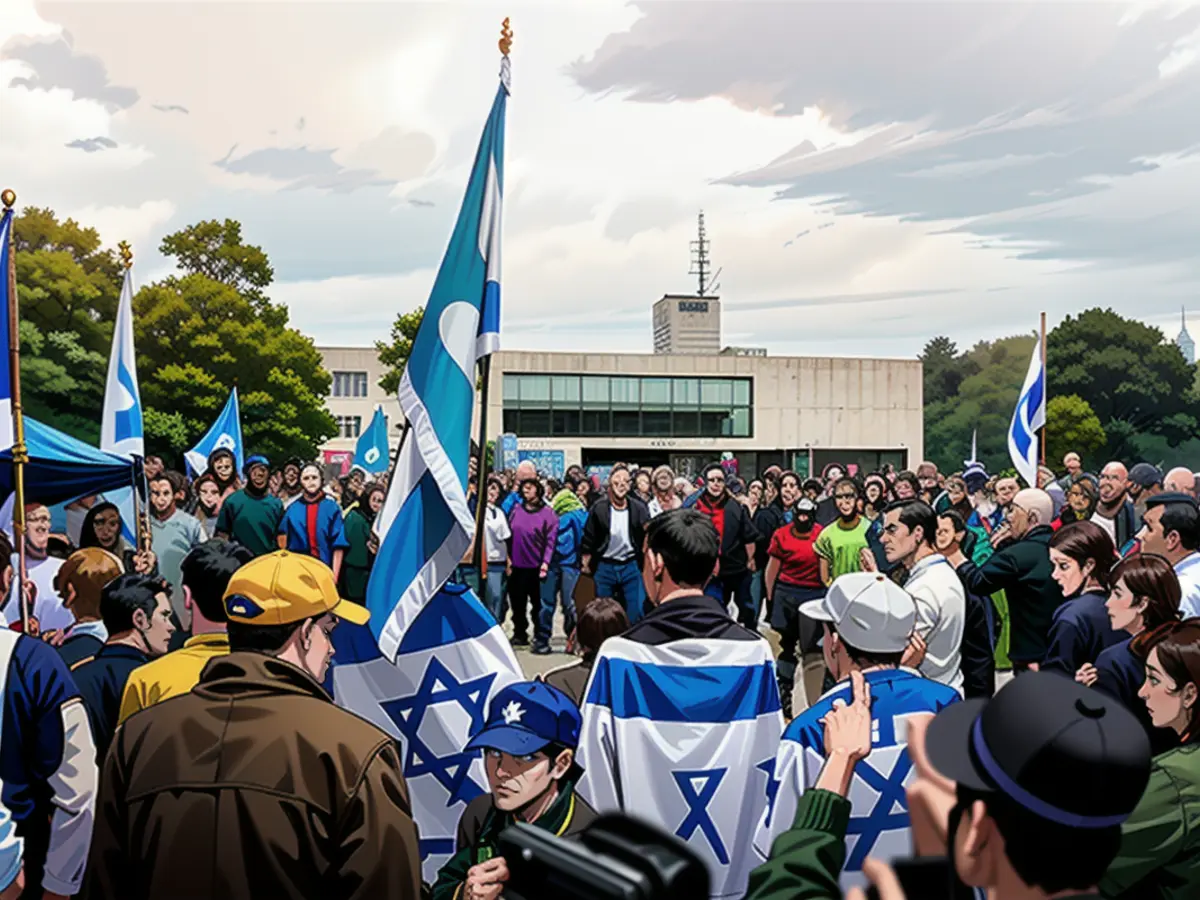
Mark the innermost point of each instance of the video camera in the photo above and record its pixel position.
(616, 858)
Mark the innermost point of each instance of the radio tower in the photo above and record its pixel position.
(700, 263)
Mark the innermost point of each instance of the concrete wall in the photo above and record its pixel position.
(359, 359)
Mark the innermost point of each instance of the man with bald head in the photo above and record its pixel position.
(526, 471)
(1021, 568)
(1114, 513)
(1180, 481)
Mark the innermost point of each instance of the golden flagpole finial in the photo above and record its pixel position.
(126, 254)
(8, 196)
(506, 36)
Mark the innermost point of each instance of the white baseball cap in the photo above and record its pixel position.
(870, 611)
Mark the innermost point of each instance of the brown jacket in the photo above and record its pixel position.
(253, 786)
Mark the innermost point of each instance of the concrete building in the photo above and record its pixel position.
(685, 410)
(353, 397)
(687, 324)
(1184, 342)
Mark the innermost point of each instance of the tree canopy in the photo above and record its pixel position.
(394, 353)
(197, 334)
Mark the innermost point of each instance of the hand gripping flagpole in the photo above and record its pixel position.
(485, 370)
(20, 454)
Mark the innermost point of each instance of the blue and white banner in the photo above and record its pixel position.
(8, 306)
(452, 660)
(225, 434)
(121, 421)
(371, 451)
(427, 495)
(427, 664)
(684, 735)
(1028, 418)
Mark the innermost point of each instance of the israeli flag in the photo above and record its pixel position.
(1028, 418)
(225, 433)
(431, 658)
(426, 505)
(8, 306)
(451, 661)
(121, 422)
(371, 451)
(683, 735)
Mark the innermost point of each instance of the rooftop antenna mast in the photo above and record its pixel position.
(701, 265)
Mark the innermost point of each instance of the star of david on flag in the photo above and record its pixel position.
(433, 700)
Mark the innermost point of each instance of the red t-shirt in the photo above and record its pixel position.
(798, 561)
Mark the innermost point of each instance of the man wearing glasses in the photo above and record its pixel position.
(738, 537)
(841, 543)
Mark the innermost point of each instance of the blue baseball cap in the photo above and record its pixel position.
(525, 717)
(256, 460)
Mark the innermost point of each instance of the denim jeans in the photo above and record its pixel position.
(622, 580)
(558, 577)
(492, 596)
(736, 588)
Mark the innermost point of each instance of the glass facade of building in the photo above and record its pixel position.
(627, 406)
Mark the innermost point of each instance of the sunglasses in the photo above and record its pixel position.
(845, 496)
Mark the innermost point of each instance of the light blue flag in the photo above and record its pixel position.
(226, 433)
(431, 658)
(1028, 418)
(371, 451)
(121, 421)
(6, 410)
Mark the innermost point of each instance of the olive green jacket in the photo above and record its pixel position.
(1159, 857)
(807, 859)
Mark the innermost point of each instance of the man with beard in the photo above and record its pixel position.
(251, 516)
(841, 543)
(732, 521)
(173, 534)
(793, 577)
(290, 490)
(1114, 513)
(1145, 481)
(927, 477)
(528, 746)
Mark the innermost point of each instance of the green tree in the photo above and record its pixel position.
(984, 403)
(945, 369)
(394, 353)
(1136, 383)
(198, 336)
(62, 383)
(1072, 425)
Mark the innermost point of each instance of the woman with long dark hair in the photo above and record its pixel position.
(222, 468)
(360, 555)
(1081, 556)
(208, 502)
(102, 528)
(1144, 595)
(1160, 842)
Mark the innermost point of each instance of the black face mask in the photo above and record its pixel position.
(803, 524)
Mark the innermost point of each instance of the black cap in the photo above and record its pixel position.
(1170, 499)
(1146, 475)
(1063, 752)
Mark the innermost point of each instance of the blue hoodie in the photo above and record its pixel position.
(572, 515)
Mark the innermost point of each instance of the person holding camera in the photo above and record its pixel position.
(529, 744)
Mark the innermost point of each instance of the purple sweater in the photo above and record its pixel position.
(533, 536)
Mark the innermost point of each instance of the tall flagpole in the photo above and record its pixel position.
(20, 454)
(141, 516)
(1045, 394)
(485, 376)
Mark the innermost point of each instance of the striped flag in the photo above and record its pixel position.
(1028, 418)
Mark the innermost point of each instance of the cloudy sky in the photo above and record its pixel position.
(872, 174)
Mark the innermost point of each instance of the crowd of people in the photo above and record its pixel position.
(731, 636)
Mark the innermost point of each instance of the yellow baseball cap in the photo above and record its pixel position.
(282, 587)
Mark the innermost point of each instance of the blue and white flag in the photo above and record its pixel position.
(431, 658)
(428, 492)
(7, 307)
(225, 434)
(371, 451)
(451, 661)
(879, 823)
(121, 422)
(683, 735)
(1028, 418)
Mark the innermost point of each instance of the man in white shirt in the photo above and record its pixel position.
(909, 530)
(41, 568)
(1171, 528)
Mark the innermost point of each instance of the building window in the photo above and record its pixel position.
(627, 406)
(349, 384)
(349, 426)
